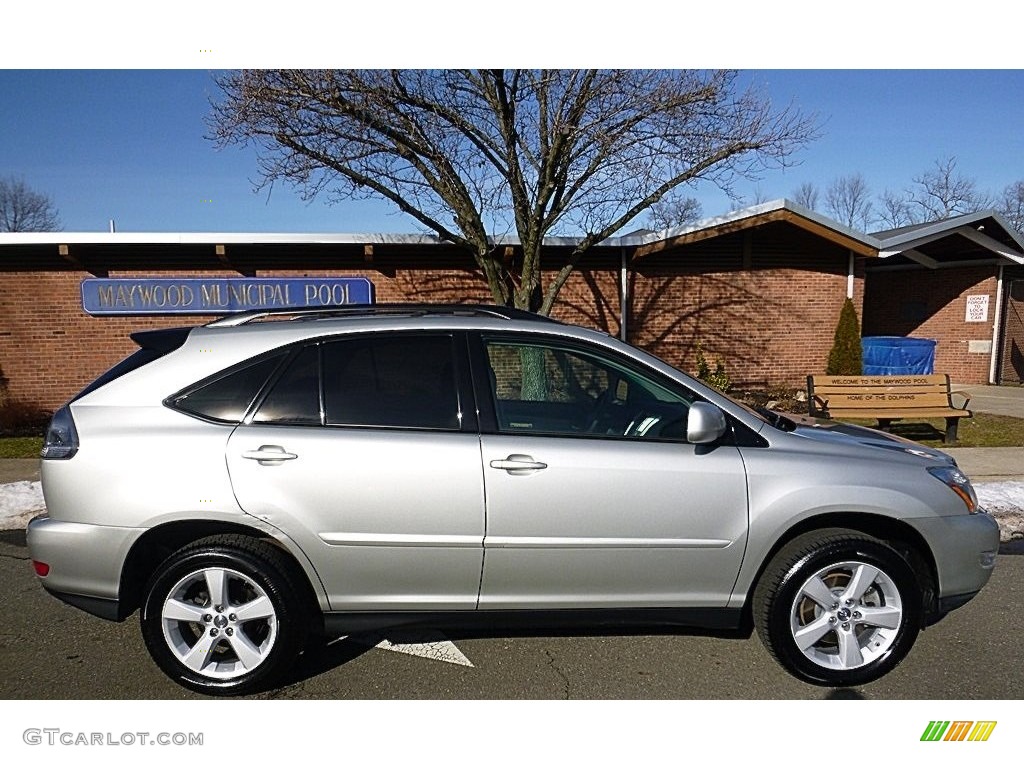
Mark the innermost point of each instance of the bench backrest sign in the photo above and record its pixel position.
(878, 381)
(219, 296)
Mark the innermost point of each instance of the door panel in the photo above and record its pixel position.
(612, 523)
(612, 508)
(392, 519)
(387, 501)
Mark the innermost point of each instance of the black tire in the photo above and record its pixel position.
(236, 648)
(840, 644)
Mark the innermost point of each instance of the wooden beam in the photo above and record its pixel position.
(706, 234)
(920, 258)
(368, 254)
(861, 249)
(65, 253)
(222, 255)
(986, 241)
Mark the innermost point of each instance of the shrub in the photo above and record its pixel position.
(845, 357)
(718, 378)
(18, 419)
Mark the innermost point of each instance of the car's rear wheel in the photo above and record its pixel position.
(223, 616)
(838, 607)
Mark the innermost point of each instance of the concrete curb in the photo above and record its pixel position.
(13, 470)
(985, 465)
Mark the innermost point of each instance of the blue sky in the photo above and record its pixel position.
(129, 145)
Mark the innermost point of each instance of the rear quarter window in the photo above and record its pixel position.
(226, 397)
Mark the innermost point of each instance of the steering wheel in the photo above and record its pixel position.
(597, 411)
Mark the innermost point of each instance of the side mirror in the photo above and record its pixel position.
(705, 424)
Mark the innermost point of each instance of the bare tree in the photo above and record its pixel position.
(472, 154)
(807, 195)
(24, 210)
(758, 196)
(944, 192)
(674, 211)
(896, 211)
(848, 201)
(1011, 204)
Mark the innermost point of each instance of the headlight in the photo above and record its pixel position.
(959, 484)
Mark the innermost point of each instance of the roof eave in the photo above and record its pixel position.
(776, 210)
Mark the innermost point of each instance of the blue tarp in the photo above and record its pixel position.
(897, 356)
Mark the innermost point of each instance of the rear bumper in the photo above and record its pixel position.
(85, 561)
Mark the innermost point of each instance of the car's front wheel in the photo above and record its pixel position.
(838, 607)
(223, 616)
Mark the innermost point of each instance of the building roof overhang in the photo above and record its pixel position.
(644, 241)
(983, 237)
(978, 238)
(758, 215)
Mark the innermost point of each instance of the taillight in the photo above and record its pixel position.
(41, 568)
(61, 437)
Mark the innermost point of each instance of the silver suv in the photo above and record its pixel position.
(251, 481)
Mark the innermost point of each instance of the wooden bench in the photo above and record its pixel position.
(887, 399)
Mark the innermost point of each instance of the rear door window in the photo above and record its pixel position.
(295, 397)
(404, 381)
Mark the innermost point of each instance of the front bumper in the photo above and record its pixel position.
(964, 548)
(85, 561)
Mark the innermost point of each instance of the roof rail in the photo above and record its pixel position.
(370, 310)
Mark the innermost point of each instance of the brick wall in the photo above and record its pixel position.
(932, 304)
(50, 348)
(765, 301)
(769, 315)
(1011, 369)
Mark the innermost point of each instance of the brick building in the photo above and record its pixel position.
(760, 288)
(959, 281)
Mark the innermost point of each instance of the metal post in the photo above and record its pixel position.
(849, 277)
(996, 323)
(623, 295)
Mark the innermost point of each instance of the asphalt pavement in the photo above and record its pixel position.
(49, 650)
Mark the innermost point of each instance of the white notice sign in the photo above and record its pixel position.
(977, 309)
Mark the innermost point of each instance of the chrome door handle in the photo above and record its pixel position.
(269, 453)
(518, 463)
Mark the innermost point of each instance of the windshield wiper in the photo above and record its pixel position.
(776, 419)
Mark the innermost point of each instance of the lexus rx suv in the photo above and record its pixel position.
(249, 482)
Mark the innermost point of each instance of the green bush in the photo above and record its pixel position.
(845, 357)
(18, 419)
(718, 378)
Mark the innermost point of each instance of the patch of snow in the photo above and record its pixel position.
(19, 503)
(1005, 502)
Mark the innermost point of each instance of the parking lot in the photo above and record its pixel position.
(51, 651)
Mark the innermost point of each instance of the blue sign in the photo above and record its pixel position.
(219, 295)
